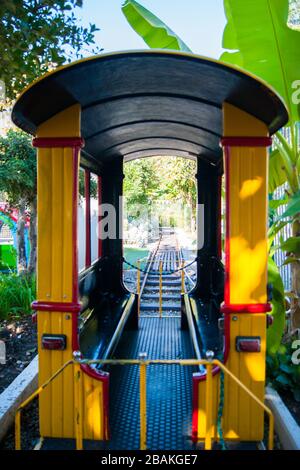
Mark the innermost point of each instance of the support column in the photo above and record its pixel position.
(58, 141)
(87, 193)
(207, 225)
(245, 145)
(99, 190)
(111, 227)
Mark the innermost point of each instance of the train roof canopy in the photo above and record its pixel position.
(144, 103)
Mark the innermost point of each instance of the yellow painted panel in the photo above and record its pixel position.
(54, 272)
(93, 399)
(67, 203)
(243, 418)
(248, 225)
(68, 381)
(64, 124)
(202, 407)
(238, 123)
(44, 203)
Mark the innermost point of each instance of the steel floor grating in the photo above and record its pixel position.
(169, 388)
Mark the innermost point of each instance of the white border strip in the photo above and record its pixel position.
(285, 425)
(20, 389)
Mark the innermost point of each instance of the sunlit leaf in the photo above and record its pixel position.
(152, 30)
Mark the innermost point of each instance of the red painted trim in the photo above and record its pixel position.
(246, 308)
(87, 194)
(104, 378)
(48, 142)
(220, 216)
(226, 349)
(197, 378)
(246, 141)
(70, 307)
(99, 216)
(227, 229)
(195, 405)
(75, 341)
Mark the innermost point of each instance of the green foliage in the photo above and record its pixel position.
(277, 173)
(293, 206)
(141, 183)
(166, 178)
(178, 178)
(16, 294)
(36, 36)
(93, 185)
(292, 244)
(17, 168)
(275, 331)
(262, 43)
(281, 371)
(153, 31)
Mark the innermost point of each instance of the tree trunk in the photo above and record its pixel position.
(295, 268)
(22, 263)
(32, 238)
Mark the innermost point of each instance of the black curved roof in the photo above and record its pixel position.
(143, 103)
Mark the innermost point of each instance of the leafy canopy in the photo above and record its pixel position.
(37, 35)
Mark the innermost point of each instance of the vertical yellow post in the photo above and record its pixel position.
(208, 407)
(58, 142)
(78, 406)
(143, 402)
(138, 284)
(271, 432)
(160, 288)
(245, 141)
(182, 277)
(18, 430)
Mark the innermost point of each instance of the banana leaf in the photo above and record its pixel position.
(262, 43)
(293, 207)
(275, 331)
(277, 174)
(155, 33)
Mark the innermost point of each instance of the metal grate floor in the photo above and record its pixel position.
(169, 388)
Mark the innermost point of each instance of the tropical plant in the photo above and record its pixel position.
(258, 38)
(154, 32)
(283, 374)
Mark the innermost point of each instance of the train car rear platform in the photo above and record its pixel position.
(169, 390)
(169, 393)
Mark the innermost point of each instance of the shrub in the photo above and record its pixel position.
(283, 374)
(16, 294)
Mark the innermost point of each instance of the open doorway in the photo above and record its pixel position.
(160, 201)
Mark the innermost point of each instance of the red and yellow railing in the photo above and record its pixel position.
(143, 363)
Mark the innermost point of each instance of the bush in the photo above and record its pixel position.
(16, 294)
(283, 374)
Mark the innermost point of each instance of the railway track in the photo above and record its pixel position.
(168, 257)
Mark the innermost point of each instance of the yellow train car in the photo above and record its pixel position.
(98, 113)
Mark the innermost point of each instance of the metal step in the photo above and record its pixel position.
(165, 296)
(155, 306)
(165, 283)
(164, 289)
(155, 277)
